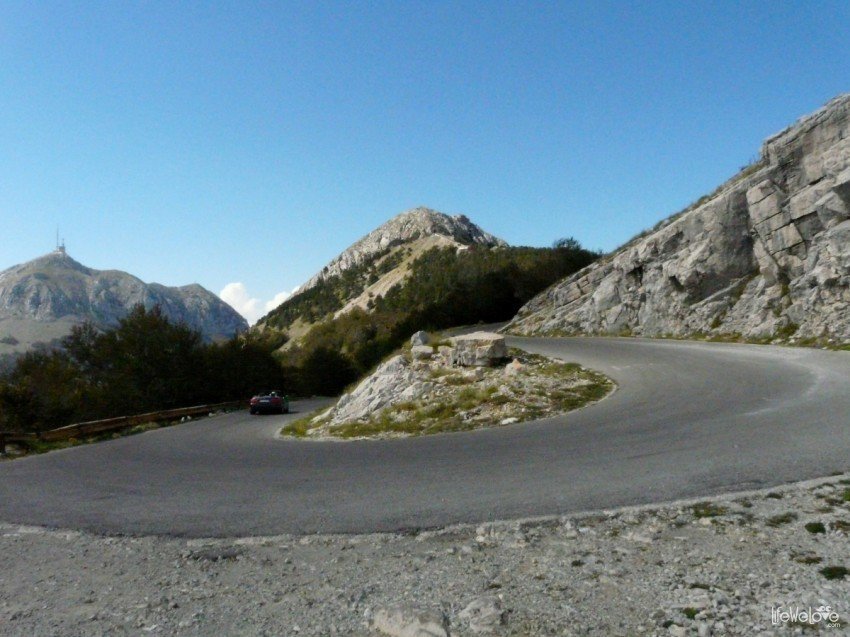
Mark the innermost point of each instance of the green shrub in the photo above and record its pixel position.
(834, 572)
(708, 510)
(782, 518)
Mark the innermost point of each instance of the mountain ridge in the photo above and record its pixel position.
(42, 299)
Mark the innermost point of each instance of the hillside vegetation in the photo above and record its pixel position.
(147, 363)
(444, 288)
(330, 295)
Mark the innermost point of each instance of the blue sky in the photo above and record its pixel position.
(249, 143)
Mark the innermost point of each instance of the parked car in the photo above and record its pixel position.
(270, 402)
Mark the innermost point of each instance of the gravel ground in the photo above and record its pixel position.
(687, 568)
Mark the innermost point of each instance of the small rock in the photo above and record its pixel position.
(513, 368)
(483, 615)
(406, 622)
(421, 352)
(474, 374)
(420, 338)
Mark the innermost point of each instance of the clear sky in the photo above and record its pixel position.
(249, 142)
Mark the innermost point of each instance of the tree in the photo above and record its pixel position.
(146, 363)
(567, 243)
(326, 372)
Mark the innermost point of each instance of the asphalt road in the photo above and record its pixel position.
(688, 419)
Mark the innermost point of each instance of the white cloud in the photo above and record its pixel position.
(279, 298)
(236, 295)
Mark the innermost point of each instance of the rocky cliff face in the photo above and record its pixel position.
(765, 256)
(407, 227)
(42, 299)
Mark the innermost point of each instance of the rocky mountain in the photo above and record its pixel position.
(766, 256)
(372, 266)
(41, 300)
(422, 270)
(408, 227)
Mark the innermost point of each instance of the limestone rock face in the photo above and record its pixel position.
(479, 349)
(380, 390)
(399, 380)
(767, 254)
(404, 228)
(42, 299)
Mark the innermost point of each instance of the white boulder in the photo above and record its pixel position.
(479, 349)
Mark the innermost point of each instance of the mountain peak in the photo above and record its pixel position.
(429, 221)
(59, 259)
(406, 227)
(41, 300)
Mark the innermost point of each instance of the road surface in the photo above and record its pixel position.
(689, 419)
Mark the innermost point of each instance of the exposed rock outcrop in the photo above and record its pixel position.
(398, 380)
(420, 338)
(767, 255)
(405, 228)
(41, 300)
(431, 394)
(395, 381)
(370, 268)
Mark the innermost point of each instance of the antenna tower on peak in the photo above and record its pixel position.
(60, 245)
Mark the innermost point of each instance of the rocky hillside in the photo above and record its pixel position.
(372, 266)
(767, 255)
(408, 227)
(420, 270)
(42, 299)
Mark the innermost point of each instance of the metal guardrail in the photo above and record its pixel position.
(93, 427)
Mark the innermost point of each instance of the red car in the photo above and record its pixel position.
(271, 402)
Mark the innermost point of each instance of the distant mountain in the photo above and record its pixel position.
(373, 265)
(41, 300)
(765, 256)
